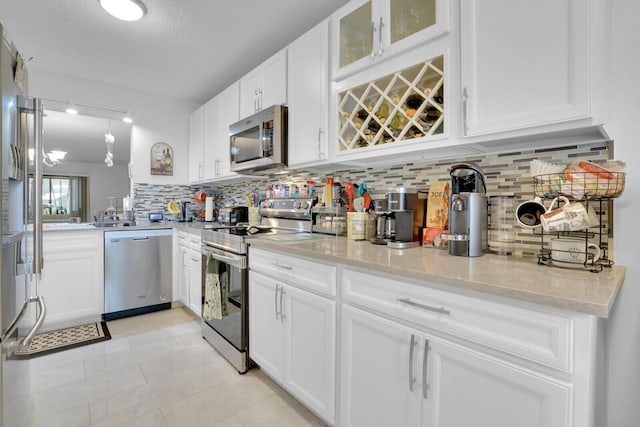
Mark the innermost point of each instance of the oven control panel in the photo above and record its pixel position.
(288, 207)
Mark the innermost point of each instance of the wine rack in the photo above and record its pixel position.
(400, 106)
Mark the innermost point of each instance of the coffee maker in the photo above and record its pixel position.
(468, 220)
(399, 219)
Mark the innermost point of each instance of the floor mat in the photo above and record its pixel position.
(64, 339)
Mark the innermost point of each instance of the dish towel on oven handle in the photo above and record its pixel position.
(216, 289)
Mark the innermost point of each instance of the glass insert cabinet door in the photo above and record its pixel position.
(356, 35)
(408, 17)
(368, 28)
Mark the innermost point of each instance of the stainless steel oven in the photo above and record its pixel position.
(225, 287)
(225, 313)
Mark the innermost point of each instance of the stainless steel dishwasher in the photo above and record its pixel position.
(137, 272)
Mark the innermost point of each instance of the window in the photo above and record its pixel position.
(64, 198)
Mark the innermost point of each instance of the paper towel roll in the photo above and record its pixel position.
(208, 209)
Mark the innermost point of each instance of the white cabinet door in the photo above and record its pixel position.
(264, 86)
(523, 63)
(195, 281)
(220, 112)
(274, 81)
(376, 371)
(228, 114)
(184, 276)
(196, 145)
(438, 384)
(72, 281)
(367, 32)
(468, 388)
(180, 264)
(309, 349)
(308, 78)
(210, 141)
(265, 323)
(250, 84)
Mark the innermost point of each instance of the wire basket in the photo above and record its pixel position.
(579, 185)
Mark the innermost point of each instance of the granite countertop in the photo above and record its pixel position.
(512, 277)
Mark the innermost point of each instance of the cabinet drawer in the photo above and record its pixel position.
(311, 275)
(540, 337)
(183, 238)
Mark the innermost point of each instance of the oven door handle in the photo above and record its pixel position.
(234, 260)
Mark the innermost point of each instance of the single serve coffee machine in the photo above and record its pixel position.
(468, 220)
(399, 219)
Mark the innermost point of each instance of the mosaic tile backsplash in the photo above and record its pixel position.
(506, 173)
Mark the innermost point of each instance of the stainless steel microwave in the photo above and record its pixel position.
(259, 142)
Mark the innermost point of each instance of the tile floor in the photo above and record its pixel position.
(155, 371)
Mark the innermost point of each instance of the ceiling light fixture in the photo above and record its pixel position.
(126, 10)
(109, 139)
(51, 158)
(127, 119)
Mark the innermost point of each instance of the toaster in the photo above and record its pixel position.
(233, 215)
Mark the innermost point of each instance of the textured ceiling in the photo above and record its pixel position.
(189, 49)
(186, 50)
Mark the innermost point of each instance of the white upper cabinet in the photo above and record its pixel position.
(264, 86)
(400, 102)
(221, 111)
(196, 145)
(210, 144)
(524, 64)
(308, 95)
(366, 31)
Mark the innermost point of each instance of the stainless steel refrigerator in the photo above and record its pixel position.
(21, 207)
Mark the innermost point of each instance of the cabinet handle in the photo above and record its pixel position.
(255, 100)
(440, 310)
(276, 301)
(373, 30)
(425, 361)
(380, 49)
(281, 310)
(217, 168)
(412, 378)
(320, 153)
(284, 267)
(465, 97)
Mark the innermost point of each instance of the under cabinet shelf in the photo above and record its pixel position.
(400, 106)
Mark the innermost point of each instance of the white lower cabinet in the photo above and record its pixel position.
(187, 267)
(375, 363)
(180, 267)
(265, 327)
(292, 335)
(195, 275)
(394, 375)
(470, 388)
(412, 353)
(73, 267)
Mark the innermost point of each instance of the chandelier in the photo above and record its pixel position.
(110, 140)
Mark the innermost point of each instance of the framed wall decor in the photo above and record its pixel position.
(161, 159)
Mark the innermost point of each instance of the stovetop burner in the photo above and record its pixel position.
(288, 215)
